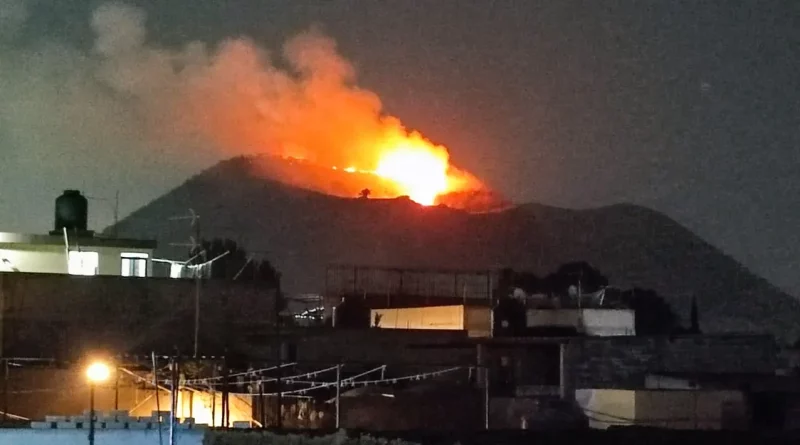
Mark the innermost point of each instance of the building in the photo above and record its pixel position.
(476, 321)
(463, 300)
(72, 249)
(672, 409)
(600, 322)
(78, 255)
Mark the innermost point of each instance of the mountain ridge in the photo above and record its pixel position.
(302, 231)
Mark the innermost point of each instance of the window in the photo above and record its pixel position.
(83, 263)
(134, 264)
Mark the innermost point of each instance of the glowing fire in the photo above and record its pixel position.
(416, 171)
(419, 173)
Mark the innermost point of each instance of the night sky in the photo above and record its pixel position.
(689, 107)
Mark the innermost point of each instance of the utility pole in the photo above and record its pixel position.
(279, 357)
(197, 284)
(338, 395)
(5, 390)
(158, 404)
(173, 398)
(196, 243)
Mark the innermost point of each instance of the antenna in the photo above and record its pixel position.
(116, 214)
(250, 258)
(114, 208)
(195, 243)
(194, 240)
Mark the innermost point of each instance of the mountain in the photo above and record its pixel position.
(302, 231)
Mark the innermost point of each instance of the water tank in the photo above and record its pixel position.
(72, 211)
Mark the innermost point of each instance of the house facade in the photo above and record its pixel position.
(84, 254)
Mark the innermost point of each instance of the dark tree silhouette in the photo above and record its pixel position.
(556, 283)
(364, 194)
(528, 282)
(653, 315)
(235, 264)
(509, 318)
(694, 327)
(508, 280)
(352, 313)
(570, 274)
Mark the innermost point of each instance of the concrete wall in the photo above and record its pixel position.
(372, 346)
(624, 362)
(478, 321)
(42, 258)
(685, 410)
(62, 315)
(80, 437)
(35, 258)
(597, 322)
(607, 407)
(460, 409)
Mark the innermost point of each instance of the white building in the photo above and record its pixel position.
(601, 322)
(85, 254)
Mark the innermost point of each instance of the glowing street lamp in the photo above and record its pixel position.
(97, 372)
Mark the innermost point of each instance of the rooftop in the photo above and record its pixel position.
(87, 239)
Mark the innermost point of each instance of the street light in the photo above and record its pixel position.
(97, 372)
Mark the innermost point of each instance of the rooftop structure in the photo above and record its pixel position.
(72, 249)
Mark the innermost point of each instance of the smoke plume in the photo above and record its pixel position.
(127, 112)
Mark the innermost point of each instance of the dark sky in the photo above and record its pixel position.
(689, 107)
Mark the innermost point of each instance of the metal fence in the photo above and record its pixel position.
(387, 281)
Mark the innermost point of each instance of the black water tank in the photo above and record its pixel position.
(72, 211)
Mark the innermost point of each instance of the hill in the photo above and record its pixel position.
(302, 231)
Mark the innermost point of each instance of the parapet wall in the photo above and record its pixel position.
(61, 315)
(623, 362)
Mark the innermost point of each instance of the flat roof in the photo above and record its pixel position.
(499, 341)
(399, 269)
(88, 240)
(545, 340)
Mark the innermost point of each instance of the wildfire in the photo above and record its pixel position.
(415, 171)
(418, 173)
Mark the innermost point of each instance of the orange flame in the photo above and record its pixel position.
(415, 167)
(418, 172)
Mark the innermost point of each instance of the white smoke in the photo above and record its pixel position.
(13, 14)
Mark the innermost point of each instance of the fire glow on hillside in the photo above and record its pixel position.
(418, 170)
(236, 98)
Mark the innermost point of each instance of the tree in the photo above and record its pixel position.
(694, 328)
(235, 264)
(364, 194)
(572, 274)
(509, 280)
(653, 314)
(510, 318)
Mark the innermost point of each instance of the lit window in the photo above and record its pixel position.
(134, 264)
(83, 263)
